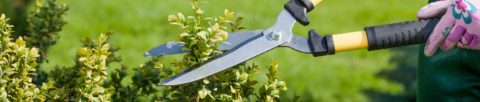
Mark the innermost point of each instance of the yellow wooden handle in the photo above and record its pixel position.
(316, 2)
(350, 41)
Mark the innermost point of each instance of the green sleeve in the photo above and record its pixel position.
(449, 76)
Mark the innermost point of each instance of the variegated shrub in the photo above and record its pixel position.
(17, 66)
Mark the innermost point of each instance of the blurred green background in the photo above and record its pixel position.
(354, 76)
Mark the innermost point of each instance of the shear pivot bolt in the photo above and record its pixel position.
(275, 35)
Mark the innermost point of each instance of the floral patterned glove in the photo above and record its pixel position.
(459, 26)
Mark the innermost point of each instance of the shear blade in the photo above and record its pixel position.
(233, 39)
(166, 49)
(251, 48)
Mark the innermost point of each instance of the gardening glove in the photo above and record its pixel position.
(459, 26)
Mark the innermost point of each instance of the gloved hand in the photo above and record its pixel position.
(459, 26)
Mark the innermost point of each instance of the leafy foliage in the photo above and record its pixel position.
(17, 66)
(200, 32)
(271, 91)
(93, 71)
(85, 82)
(44, 22)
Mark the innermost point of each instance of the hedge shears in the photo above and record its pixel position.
(249, 44)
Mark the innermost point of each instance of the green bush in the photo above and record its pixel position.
(17, 66)
(45, 21)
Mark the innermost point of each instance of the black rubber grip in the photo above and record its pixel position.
(400, 34)
(320, 45)
(298, 9)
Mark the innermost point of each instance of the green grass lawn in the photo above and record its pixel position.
(141, 25)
